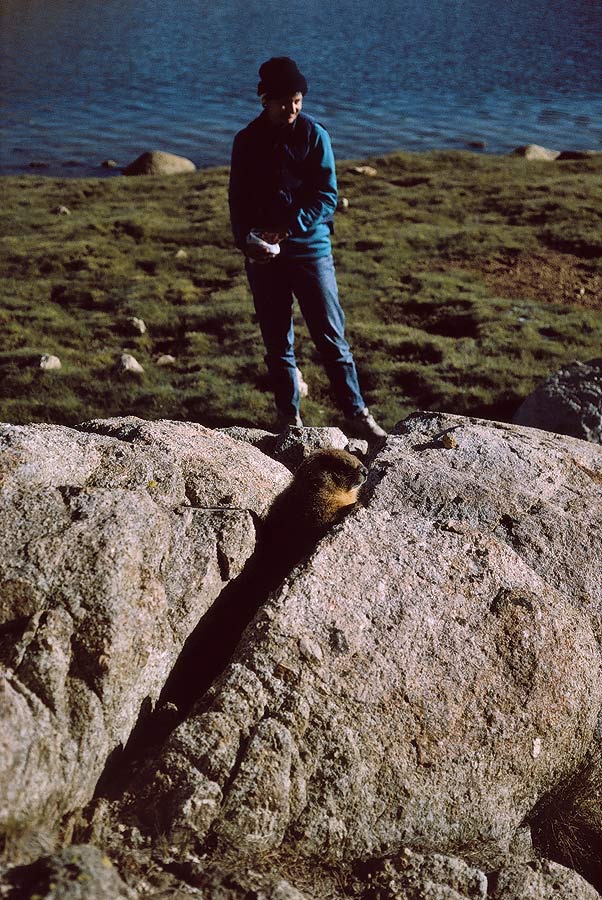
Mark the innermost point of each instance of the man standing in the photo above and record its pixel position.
(283, 194)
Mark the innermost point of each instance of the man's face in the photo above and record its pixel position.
(284, 110)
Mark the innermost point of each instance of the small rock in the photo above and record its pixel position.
(49, 362)
(343, 203)
(578, 154)
(294, 445)
(534, 151)
(540, 878)
(73, 873)
(137, 325)
(166, 359)
(359, 448)
(181, 254)
(302, 384)
(156, 162)
(128, 363)
(108, 164)
(365, 170)
(438, 877)
(61, 211)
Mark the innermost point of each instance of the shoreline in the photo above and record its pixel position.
(103, 172)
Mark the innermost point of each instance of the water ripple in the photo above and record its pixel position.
(113, 79)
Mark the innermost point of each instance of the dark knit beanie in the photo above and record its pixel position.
(280, 77)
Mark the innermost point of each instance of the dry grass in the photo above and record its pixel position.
(567, 824)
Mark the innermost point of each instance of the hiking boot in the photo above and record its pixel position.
(293, 419)
(363, 426)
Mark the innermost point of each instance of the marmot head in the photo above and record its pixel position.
(323, 490)
(335, 469)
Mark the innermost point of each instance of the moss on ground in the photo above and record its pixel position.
(448, 271)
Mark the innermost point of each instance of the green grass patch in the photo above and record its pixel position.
(410, 252)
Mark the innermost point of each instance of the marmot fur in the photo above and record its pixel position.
(323, 490)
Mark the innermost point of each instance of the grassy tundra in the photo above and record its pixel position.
(466, 279)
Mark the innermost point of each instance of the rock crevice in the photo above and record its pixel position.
(416, 692)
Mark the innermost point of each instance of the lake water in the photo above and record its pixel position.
(81, 82)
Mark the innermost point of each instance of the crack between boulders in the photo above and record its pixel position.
(206, 654)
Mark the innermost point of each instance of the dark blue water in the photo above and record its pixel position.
(84, 81)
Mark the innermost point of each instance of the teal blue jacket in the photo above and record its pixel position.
(284, 179)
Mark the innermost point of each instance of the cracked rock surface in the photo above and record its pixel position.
(391, 716)
(117, 537)
(426, 676)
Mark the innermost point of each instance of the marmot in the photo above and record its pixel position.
(323, 490)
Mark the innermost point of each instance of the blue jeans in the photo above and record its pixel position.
(313, 283)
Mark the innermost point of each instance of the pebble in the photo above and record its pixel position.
(49, 362)
(129, 363)
(166, 359)
(137, 325)
(365, 170)
(181, 254)
(61, 211)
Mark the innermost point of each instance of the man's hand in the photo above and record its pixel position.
(273, 237)
(263, 254)
(258, 253)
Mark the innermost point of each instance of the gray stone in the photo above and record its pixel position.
(76, 873)
(166, 359)
(294, 444)
(136, 325)
(359, 448)
(534, 151)
(117, 537)
(429, 673)
(568, 402)
(157, 162)
(370, 171)
(431, 877)
(129, 364)
(219, 470)
(49, 363)
(540, 880)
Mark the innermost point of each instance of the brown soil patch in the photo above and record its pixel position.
(549, 277)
